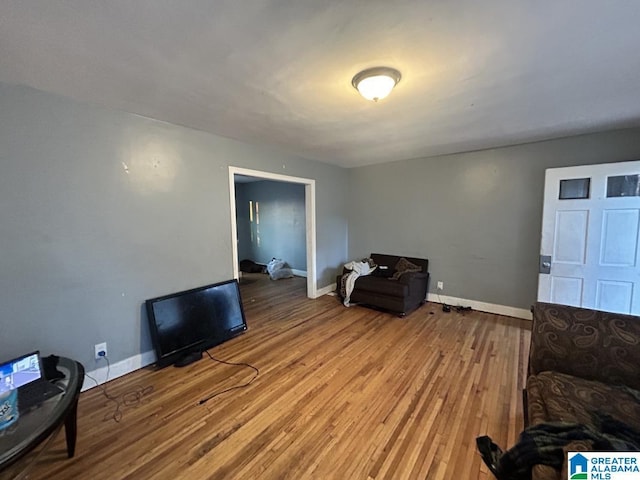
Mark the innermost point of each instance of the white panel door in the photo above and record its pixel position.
(591, 237)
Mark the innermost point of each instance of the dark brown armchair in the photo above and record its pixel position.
(379, 290)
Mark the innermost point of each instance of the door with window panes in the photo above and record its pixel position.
(590, 248)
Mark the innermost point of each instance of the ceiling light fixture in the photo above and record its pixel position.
(376, 83)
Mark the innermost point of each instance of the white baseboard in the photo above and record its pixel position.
(141, 360)
(481, 306)
(118, 369)
(455, 301)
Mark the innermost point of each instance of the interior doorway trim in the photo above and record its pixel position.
(310, 219)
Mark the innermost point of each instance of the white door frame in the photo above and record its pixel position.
(310, 215)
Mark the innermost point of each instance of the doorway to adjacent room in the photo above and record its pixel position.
(310, 219)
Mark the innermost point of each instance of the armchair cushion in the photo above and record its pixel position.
(404, 266)
(383, 272)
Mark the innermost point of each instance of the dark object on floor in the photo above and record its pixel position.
(461, 309)
(446, 308)
(581, 361)
(490, 453)
(546, 444)
(249, 266)
(393, 289)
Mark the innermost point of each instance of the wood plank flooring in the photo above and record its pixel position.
(344, 393)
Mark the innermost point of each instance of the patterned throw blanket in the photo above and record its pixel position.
(543, 445)
(348, 280)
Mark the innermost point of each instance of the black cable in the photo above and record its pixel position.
(445, 308)
(241, 364)
(127, 399)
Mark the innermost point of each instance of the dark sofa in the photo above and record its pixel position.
(582, 361)
(380, 291)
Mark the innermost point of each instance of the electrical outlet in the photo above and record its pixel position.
(101, 350)
(440, 285)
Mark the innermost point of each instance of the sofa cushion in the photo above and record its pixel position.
(391, 260)
(385, 272)
(554, 397)
(585, 343)
(404, 266)
(545, 472)
(558, 397)
(386, 265)
(381, 286)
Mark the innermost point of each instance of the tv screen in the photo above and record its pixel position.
(183, 324)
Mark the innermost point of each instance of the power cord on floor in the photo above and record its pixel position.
(445, 308)
(131, 398)
(242, 364)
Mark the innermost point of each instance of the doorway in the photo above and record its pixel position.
(590, 248)
(310, 220)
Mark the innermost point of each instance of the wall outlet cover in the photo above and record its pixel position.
(99, 348)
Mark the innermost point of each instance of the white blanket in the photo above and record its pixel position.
(358, 269)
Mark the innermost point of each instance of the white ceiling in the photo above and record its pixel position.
(475, 74)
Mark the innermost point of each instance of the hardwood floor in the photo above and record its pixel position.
(345, 393)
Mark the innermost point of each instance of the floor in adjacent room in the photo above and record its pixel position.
(345, 393)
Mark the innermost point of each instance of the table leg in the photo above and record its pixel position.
(70, 429)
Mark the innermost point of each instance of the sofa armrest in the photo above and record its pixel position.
(417, 283)
(411, 277)
(585, 343)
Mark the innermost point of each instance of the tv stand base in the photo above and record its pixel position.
(188, 359)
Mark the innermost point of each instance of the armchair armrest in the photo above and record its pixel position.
(417, 283)
(411, 277)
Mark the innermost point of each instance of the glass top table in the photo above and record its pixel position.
(40, 422)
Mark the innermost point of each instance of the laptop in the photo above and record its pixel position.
(25, 374)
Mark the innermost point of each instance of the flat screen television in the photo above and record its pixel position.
(184, 324)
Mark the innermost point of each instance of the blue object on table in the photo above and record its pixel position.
(8, 408)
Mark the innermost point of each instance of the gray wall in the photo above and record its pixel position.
(100, 210)
(476, 216)
(282, 228)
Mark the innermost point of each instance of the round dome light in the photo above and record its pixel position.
(376, 83)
